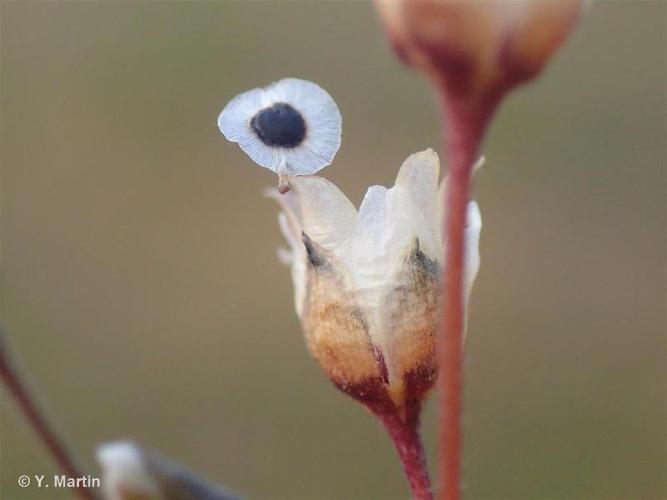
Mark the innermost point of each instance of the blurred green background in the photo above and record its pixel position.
(142, 290)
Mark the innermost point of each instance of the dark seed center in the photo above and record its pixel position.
(280, 125)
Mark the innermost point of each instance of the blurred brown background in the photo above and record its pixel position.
(141, 286)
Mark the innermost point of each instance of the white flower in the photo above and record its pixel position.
(367, 282)
(292, 127)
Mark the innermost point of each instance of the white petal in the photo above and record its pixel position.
(285, 256)
(471, 235)
(289, 221)
(377, 246)
(443, 186)
(411, 203)
(328, 217)
(296, 257)
(291, 232)
(289, 202)
(391, 221)
(419, 177)
(373, 216)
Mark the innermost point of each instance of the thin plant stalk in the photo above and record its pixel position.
(465, 126)
(405, 435)
(38, 421)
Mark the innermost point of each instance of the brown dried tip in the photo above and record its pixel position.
(283, 183)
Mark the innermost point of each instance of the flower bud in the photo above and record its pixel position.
(480, 46)
(367, 282)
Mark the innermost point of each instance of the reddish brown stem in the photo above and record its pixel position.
(406, 438)
(465, 127)
(38, 421)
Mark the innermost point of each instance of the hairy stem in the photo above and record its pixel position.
(464, 129)
(405, 435)
(37, 420)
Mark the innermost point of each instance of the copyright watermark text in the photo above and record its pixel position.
(58, 481)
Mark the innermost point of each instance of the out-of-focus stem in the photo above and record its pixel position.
(464, 128)
(37, 420)
(405, 435)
